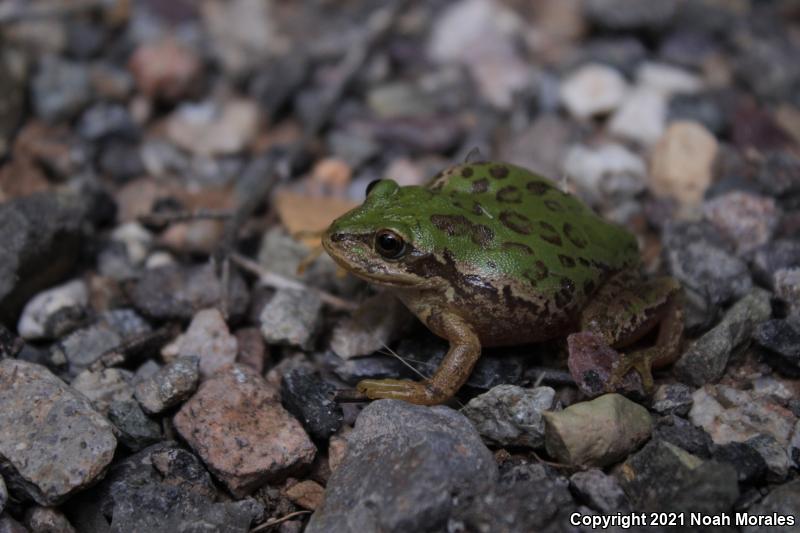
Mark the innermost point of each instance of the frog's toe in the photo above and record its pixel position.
(398, 389)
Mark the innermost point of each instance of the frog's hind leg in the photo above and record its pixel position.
(625, 310)
(453, 372)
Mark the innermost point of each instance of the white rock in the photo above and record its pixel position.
(480, 35)
(642, 116)
(682, 162)
(671, 80)
(605, 168)
(44, 305)
(209, 129)
(137, 240)
(731, 415)
(593, 89)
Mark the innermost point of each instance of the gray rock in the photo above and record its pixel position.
(698, 256)
(784, 500)
(672, 398)
(175, 292)
(781, 341)
(417, 492)
(164, 489)
(663, 478)
(136, 430)
(47, 520)
(684, 434)
(706, 358)
(746, 219)
(291, 317)
(10, 344)
(38, 238)
(704, 108)
(508, 415)
(787, 288)
(601, 492)
(611, 171)
(749, 464)
(104, 120)
(774, 455)
(83, 347)
(105, 386)
(773, 256)
(598, 432)
(630, 15)
(53, 443)
(310, 399)
(60, 88)
(126, 322)
(779, 173)
(527, 497)
(168, 387)
(793, 449)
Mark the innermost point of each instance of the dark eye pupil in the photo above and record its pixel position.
(389, 245)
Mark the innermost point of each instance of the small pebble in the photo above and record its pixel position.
(60, 88)
(136, 430)
(310, 399)
(37, 317)
(291, 317)
(674, 398)
(706, 358)
(240, 430)
(747, 220)
(663, 478)
(508, 415)
(169, 386)
(610, 170)
(781, 341)
(208, 339)
(774, 455)
(600, 491)
(307, 494)
(165, 69)
(681, 165)
(598, 432)
(641, 118)
(593, 89)
(684, 434)
(105, 386)
(749, 464)
(47, 520)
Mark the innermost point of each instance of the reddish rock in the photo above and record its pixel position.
(747, 220)
(165, 69)
(307, 494)
(252, 350)
(236, 423)
(208, 339)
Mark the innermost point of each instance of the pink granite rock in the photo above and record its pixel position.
(236, 423)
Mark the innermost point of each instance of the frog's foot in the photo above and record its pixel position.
(641, 361)
(420, 393)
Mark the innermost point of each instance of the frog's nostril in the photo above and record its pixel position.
(337, 237)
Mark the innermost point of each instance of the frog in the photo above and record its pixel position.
(490, 254)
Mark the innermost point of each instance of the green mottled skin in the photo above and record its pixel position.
(496, 255)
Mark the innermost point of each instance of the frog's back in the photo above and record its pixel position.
(549, 242)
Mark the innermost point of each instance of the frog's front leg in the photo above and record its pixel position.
(453, 372)
(625, 310)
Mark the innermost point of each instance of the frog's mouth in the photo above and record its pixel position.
(354, 253)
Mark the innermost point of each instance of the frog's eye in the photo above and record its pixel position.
(371, 186)
(389, 244)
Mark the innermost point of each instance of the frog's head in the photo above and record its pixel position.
(383, 239)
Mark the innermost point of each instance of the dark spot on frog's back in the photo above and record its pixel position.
(459, 225)
(516, 222)
(566, 261)
(574, 235)
(498, 172)
(564, 295)
(480, 186)
(509, 195)
(536, 273)
(539, 188)
(549, 234)
(553, 205)
(588, 287)
(524, 248)
(466, 172)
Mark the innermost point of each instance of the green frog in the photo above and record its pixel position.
(491, 254)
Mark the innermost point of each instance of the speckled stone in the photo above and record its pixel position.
(169, 386)
(208, 339)
(235, 422)
(508, 415)
(53, 442)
